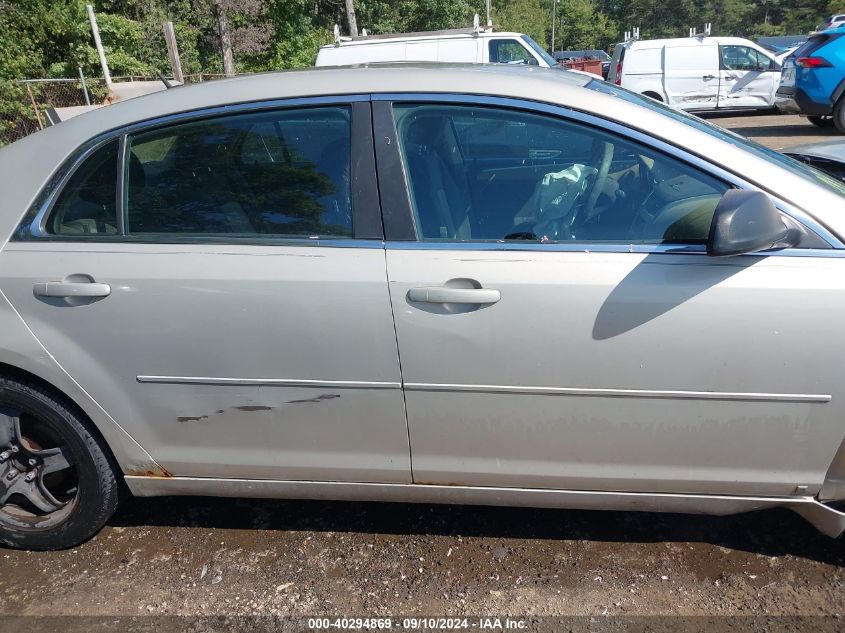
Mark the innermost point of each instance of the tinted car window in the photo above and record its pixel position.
(490, 174)
(280, 173)
(87, 204)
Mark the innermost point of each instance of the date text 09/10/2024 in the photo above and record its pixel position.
(418, 623)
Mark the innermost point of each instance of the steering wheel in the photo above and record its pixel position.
(600, 180)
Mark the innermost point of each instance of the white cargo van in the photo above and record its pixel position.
(475, 45)
(698, 73)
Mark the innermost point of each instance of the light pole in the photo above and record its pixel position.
(554, 19)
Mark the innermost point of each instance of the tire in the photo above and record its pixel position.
(838, 116)
(67, 465)
(821, 121)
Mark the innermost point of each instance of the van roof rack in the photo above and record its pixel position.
(633, 35)
(705, 33)
(474, 30)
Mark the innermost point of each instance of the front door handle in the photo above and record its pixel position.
(708, 77)
(69, 289)
(440, 294)
(730, 77)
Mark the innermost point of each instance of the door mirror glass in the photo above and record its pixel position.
(747, 222)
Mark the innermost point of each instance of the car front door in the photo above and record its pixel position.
(225, 301)
(561, 326)
(748, 78)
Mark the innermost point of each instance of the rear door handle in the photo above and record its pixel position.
(708, 77)
(71, 289)
(439, 294)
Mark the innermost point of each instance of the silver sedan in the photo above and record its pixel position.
(407, 283)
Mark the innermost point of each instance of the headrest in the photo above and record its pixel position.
(426, 130)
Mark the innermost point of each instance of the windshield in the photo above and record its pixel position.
(806, 172)
(551, 61)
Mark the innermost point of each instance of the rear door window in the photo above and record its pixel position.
(280, 173)
(87, 205)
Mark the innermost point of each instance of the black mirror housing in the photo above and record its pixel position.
(746, 222)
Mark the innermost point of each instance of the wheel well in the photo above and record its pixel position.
(16, 373)
(653, 95)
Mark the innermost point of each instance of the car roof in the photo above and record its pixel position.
(691, 41)
(360, 79)
(406, 37)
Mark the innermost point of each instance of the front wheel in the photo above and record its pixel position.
(57, 485)
(821, 121)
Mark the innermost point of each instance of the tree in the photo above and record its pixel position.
(523, 16)
(350, 16)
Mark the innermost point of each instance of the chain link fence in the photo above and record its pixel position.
(24, 103)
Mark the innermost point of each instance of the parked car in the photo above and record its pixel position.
(698, 73)
(813, 80)
(834, 21)
(827, 156)
(598, 302)
(567, 57)
(482, 46)
(780, 58)
(777, 44)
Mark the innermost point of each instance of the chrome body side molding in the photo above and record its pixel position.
(269, 382)
(624, 393)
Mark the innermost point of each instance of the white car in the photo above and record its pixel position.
(698, 73)
(475, 46)
(832, 22)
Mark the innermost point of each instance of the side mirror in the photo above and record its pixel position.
(747, 222)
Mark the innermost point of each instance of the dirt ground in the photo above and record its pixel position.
(225, 557)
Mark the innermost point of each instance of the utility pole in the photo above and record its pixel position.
(173, 52)
(225, 39)
(99, 44)
(350, 15)
(554, 20)
(489, 19)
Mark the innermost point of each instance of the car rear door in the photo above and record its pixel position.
(748, 77)
(561, 326)
(217, 283)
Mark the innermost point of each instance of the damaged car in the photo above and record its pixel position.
(414, 283)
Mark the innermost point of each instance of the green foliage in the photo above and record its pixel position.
(48, 38)
(523, 16)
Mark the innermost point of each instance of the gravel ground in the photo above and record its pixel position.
(273, 558)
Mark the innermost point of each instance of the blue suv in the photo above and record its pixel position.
(813, 80)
